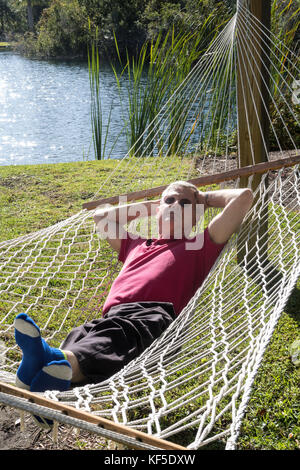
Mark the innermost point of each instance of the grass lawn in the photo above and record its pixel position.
(37, 196)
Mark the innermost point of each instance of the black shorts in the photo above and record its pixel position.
(104, 346)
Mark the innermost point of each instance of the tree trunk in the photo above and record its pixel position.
(30, 16)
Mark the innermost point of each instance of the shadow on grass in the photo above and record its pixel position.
(271, 280)
(293, 305)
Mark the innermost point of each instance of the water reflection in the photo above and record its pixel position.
(45, 111)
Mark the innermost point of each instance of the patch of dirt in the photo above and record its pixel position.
(23, 434)
(18, 181)
(207, 166)
(211, 166)
(10, 438)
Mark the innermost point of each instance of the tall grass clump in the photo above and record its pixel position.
(96, 108)
(100, 130)
(151, 83)
(148, 79)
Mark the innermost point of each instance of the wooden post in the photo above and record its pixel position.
(253, 105)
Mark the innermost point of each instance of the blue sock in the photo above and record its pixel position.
(53, 376)
(36, 352)
(56, 375)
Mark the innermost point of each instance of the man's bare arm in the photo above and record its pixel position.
(110, 221)
(235, 203)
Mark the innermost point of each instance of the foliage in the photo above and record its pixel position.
(62, 30)
(6, 15)
(20, 14)
(285, 114)
(9, 18)
(147, 82)
(188, 16)
(163, 62)
(63, 24)
(115, 17)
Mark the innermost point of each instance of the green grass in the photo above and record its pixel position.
(273, 417)
(34, 197)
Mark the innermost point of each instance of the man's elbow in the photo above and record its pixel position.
(101, 223)
(246, 198)
(97, 219)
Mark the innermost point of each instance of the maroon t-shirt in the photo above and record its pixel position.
(163, 270)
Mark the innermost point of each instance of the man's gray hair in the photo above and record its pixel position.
(181, 184)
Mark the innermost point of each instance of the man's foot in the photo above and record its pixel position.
(36, 352)
(53, 376)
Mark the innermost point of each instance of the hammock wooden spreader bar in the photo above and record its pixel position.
(137, 438)
(246, 171)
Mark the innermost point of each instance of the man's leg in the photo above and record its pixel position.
(94, 351)
(77, 375)
(98, 349)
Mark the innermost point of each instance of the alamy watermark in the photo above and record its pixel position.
(173, 222)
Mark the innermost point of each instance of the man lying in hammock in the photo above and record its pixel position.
(157, 280)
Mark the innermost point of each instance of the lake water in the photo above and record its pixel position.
(45, 111)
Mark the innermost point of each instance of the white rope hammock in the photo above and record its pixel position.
(193, 384)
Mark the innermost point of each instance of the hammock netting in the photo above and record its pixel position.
(192, 385)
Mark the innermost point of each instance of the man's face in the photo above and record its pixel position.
(176, 214)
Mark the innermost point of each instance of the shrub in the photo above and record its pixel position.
(62, 30)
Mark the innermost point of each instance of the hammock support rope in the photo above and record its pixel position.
(60, 412)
